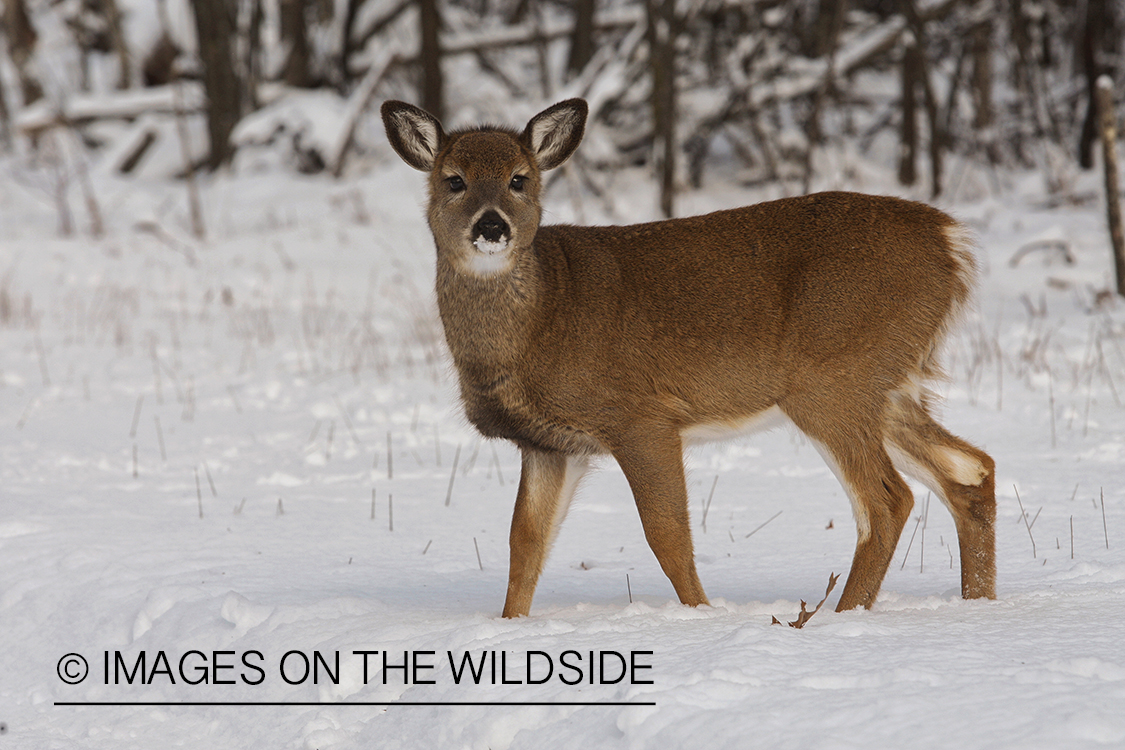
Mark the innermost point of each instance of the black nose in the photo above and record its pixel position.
(491, 226)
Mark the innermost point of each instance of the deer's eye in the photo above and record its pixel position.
(518, 183)
(456, 184)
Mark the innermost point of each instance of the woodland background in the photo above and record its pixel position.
(751, 88)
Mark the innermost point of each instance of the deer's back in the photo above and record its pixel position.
(809, 274)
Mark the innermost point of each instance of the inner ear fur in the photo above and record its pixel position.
(413, 133)
(554, 134)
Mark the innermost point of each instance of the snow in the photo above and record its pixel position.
(489, 247)
(233, 456)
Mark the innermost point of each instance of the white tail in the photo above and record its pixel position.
(572, 341)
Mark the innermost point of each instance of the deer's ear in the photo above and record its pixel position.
(554, 134)
(414, 133)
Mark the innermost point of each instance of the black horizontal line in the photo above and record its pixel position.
(355, 703)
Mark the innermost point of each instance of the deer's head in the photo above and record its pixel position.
(484, 182)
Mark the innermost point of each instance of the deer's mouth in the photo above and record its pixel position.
(491, 234)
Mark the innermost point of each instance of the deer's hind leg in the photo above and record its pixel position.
(851, 442)
(961, 475)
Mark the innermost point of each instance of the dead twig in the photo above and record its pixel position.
(805, 615)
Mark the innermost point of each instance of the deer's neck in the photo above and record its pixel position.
(489, 321)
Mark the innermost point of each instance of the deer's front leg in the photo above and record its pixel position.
(547, 483)
(654, 466)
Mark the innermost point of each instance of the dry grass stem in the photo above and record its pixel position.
(26, 413)
(160, 439)
(452, 476)
(906, 555)
(1051, 401)
(1023, 514)
(922, 541)
(707, 505)
(234, 399)
(347, 421)
(198, 492)
(473, 458)
(1105, 527)
(44, 373)
(762, 526)
(210, 481)
(496, 460)
(390, 458)
(136, 416)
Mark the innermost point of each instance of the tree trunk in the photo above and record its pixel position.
(1108, 128)
(21, 46)
(826, 28)
(294, 34)
(252, 56)
(582, 39)
(937, 137)
(921, 75)
(980, 41)
(347, 45)
(662, 45)
(214, 25)
(5, 120)
(1021, 39)
(908, 148)
(1093, 28)
(433, 97)
(120, 47)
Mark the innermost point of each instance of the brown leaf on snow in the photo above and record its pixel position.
(805, 615)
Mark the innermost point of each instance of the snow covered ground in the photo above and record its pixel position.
(243, 459)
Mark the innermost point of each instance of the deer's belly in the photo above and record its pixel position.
(705, 432)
